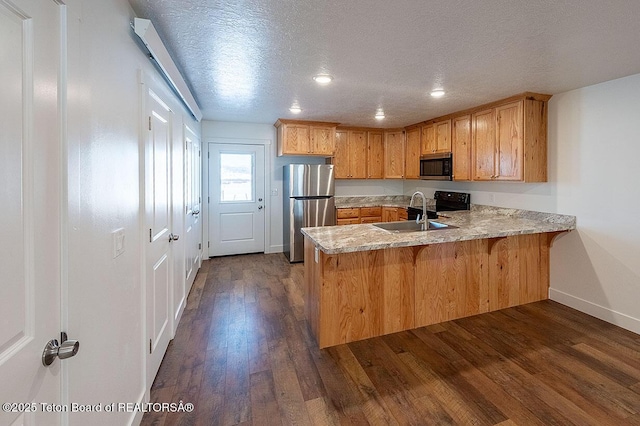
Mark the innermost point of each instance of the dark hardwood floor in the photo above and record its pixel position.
(243, 355)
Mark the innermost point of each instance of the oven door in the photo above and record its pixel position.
(436, 166)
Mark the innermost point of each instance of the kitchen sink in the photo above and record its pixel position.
(411, 226)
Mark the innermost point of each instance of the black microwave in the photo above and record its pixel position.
(436, 166)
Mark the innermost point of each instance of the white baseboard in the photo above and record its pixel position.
(275, 249)
(136, 417)
(606, 314)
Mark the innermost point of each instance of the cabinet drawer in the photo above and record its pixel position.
(371, 219)
(348, 213)
(348, 221)
(370, 211)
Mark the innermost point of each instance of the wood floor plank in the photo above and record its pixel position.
(264, 406)
(210, 403)
(320, 414)
(243, 354)
(518, 383)
(157, 418)
(237, 400)
(442, 365)
(342, 394)
(372, 404)
(391, 386)
(288, 392)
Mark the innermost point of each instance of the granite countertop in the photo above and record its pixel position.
(478, 223)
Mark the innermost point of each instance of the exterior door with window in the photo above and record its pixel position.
(236, 199)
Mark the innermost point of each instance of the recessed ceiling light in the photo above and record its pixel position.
(438, 93)
(323, 78)
(379, 114)
(295, 108)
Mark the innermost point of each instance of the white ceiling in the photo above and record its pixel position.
(249, 60)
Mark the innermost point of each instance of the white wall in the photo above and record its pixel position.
(594, 153)
(212, 130)
(106, 308)
(363, 187)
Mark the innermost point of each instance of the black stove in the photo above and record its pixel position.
(451, 201)
(445, 202)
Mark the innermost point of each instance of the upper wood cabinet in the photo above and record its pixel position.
(375, 154)
(322, 139)
(461, 147)
(350, 158)
(436, 137)
(510, 141)
(340, 158)
(394, 157)
(484, 144)
(305, 137)
(357, 154)
(412, 154)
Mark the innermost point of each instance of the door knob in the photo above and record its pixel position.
(259, 207)
(259, 199)
(195, 212)
(53, 350)
(173, 237)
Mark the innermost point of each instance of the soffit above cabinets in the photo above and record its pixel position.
(251, 61)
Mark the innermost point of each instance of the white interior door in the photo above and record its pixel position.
(236, 199)
(193, 206)
(31, 196)
(158, 271)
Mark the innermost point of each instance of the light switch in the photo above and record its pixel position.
(118, 242)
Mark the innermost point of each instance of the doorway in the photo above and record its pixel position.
(236, 198)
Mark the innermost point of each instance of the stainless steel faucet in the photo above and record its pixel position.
(420, 220)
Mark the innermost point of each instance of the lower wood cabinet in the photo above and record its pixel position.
(348, 216)
(354, 296)
(389, 214)
(353, 216)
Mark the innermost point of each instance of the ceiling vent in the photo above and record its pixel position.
(158, 53)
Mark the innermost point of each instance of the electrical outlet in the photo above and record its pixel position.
(117, 237)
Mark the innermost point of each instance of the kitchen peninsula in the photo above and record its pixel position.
(362, 281)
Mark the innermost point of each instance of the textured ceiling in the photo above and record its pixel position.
(250, 60)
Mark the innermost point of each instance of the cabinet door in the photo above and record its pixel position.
(348, 222)
(394, 155)
(341, 155)
(296, 139)
(375, 155)
(461, 147)
(370, 211)
(358, 154)
(389, 214)
(348, 213)
(443, 136)
(484, 145)
(403, 214)
(509, 141)
(322, 140)
(428, 139)
(412, 154)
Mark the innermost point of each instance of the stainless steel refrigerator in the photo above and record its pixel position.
(308, 201)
